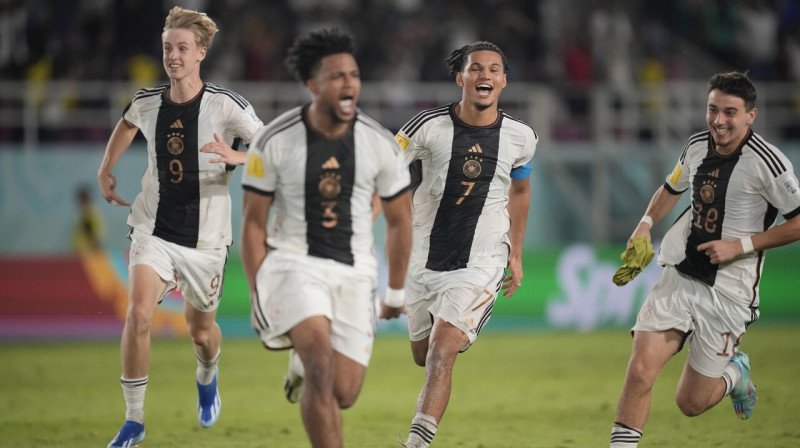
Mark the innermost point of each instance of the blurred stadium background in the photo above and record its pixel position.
(613, 89)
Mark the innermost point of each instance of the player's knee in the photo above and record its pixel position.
(441, 353)
(437, 360)
(640, 373)
(347, 398)
(689, 407)
(139, 319)
(419, 351)
(318, 371)
(201, 334)
(419, 358)
(200, 338)
(691, 403)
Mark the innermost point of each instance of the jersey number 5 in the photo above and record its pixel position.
(329, 218)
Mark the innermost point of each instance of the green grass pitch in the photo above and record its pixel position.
(549, 390)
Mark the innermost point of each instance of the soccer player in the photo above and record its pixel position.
(313, 275)
(713, 255)
(180, 222)
(471, 164)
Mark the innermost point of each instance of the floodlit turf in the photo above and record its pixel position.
(549, 390)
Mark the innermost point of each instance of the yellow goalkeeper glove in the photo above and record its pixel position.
(636, 257)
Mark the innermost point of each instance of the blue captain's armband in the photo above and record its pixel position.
(521, 172)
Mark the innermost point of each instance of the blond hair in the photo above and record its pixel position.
(199, 23)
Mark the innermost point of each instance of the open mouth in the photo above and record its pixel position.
(484, 90)
(347, 104)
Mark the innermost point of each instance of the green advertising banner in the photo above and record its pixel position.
(570, 288)
(565, 288)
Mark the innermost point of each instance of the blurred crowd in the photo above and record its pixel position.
(572, 42)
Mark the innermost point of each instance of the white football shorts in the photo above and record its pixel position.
(292, 288)
(198, 273)
(463, 297)
(714, 323)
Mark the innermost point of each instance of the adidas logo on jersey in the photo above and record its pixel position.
(176, 124)
(331, 164)
(476, 148)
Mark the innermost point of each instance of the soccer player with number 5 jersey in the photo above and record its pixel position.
(313, 274)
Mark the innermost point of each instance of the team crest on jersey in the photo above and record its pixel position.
(707, 191)
(330, 185)
(175, 143)
(472, 166)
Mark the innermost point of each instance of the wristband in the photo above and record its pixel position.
(394, 298)
(747, 245)
(647, 219)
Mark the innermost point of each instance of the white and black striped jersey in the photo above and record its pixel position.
(733, 196)
(460, 216)
(322, 189)
(184, 197)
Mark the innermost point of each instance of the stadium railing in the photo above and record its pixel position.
(603, 149)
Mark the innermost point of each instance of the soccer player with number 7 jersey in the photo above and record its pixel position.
(470, 164)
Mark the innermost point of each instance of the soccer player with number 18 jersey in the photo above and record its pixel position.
(713, 256)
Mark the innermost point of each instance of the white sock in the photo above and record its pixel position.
(206, 369)
(624, 436)
(133, 390)
(732, 376)
(423, 428)
(296, 364)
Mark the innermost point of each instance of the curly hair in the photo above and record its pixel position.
(458, 58)
(736, 84)
(308, 50)
(199, 23)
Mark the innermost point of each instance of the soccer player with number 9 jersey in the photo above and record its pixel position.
(180, 223)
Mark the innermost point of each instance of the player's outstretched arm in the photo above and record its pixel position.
(519, 199)
(398, 247)
(784, 233)
(118, 143)
(720, 251)
(226, 153)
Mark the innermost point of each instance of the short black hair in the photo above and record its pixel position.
(459, 57)
(736, 84)
(308, 50)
